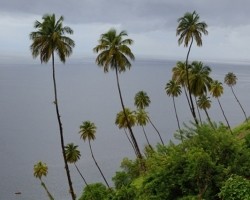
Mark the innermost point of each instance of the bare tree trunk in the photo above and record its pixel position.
(239, 103)
(98, 165)
(225, 117)
(130, 140)
(177, 119)
(146, 136)
(190, 98)
(156, 131)
(209, 118)
(61, 133)
(47, 191)
(198, 109)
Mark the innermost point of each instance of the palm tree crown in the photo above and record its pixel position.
(173, 89)
(114, 51)
(230, 79)
(204, 102)
(87, 130)
(216, 89)
(40, 169)
(72, 153)
(189, 27)
(121, 120)
(50, 37)
(142, 100)
(142, 117)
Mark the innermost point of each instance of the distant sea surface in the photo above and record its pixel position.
(29, 130)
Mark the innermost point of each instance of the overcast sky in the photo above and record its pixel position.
(150, 23)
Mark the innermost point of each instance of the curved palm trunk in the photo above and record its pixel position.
(190, 98)
(239, 103)
(157, 131)
(61, 133)
(225, 116)
(138, 153)
(177, 119)
(98, 165)
(187, 96)
(83, 178)
(130, 140)
(198, 109)
(209, 118)
(146, 136)
(48, 193)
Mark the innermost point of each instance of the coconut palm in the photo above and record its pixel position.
(204, 103)
(49, 39)
(216, 91)
(142, 119)
(72, 156)
(199, 79)
(189, 28)
(41, 169)
(179, 76)
(113, 55)
(231, 80)
(121, 121)
(174, 90)
(141, 101)
(87, 131)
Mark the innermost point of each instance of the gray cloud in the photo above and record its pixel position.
(136, 15)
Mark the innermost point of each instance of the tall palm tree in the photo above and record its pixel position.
(216, 91)
(41, 169)
(87, 131)
(141, 101)
(72, 156)
(200, 81)
(142, 119)
(189, 28)
(174, 90)
(121, 121)
(49, 39)
(231, 80)
(179, 76)
(113, 55)
(204, 103)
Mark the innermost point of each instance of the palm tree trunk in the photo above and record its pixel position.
(209, 118)
(239, 103)
(98, 165)
(146, 136)
(225, 116)
(157, 131)
(187, 96)
(48, 193)
(83, 178)
(190, 98)
(138, 153)
(177, 119)
(197, 109)
(61, 132)
(130, 140)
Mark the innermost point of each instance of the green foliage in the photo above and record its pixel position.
(235, 188)
(96, 191)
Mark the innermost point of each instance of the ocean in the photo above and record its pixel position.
(29, 130)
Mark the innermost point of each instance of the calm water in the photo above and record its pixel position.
(29, 130)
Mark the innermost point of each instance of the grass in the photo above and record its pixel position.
(242, 130)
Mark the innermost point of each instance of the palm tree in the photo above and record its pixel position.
(200, 81)
(204, 103)
(231, 79)
(179, 76)
(87, 131)
(49, 38)
(142, 119)
(174, 90)
(216, 91)
(190, 28)
(41, 169)
(141, 101)
(121, 121)
(113, 54)
(72, 156)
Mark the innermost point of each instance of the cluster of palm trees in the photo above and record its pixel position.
(114, 54)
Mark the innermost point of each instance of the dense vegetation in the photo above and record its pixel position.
(211, 161)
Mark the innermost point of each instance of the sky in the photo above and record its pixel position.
(150, 23)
